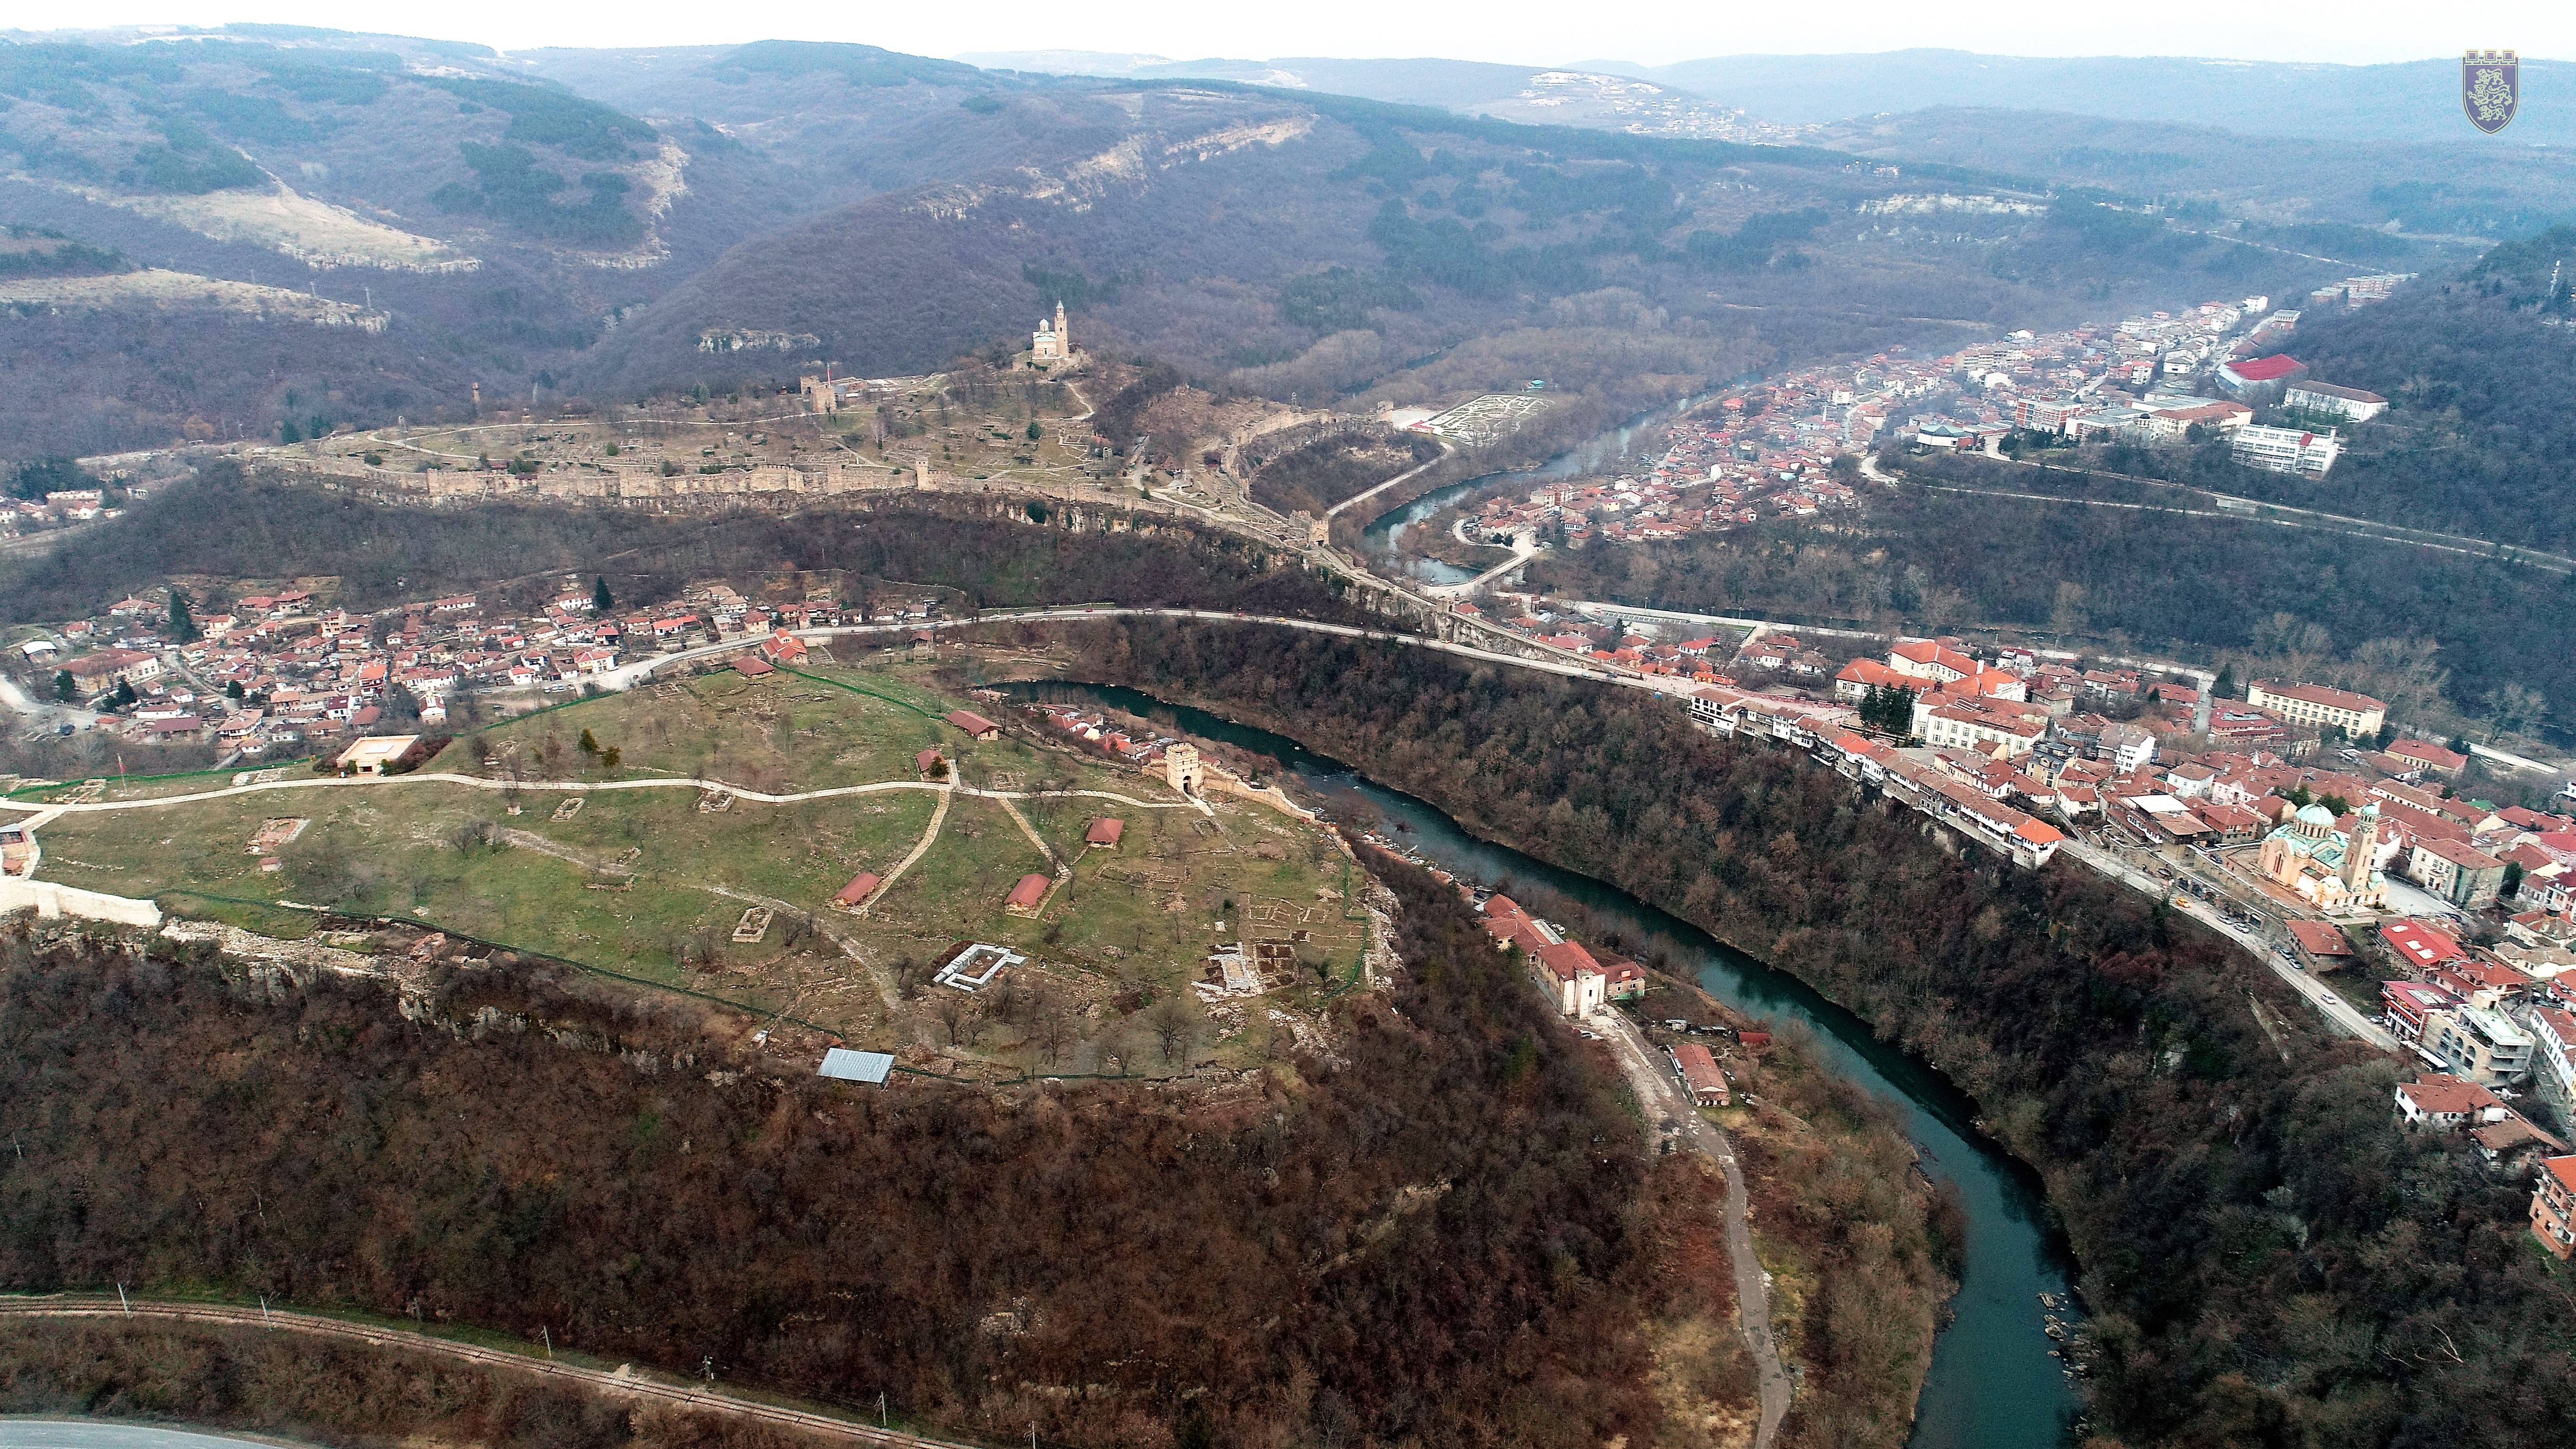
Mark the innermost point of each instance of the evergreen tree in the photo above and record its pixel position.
(124, 696)
(600, 598)
(48, 475)
(183, 626)
(66, 688)
(589, 743)
(233, 689)
(288, 433)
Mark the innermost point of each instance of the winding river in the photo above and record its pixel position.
(1384, 539)
(1993, 1384)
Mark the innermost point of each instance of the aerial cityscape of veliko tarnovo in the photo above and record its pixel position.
(776, 744)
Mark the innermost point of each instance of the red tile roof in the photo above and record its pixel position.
(2441, 1095)
(2265, 369)
(1567, 960)
(2420, 945)
(2562, 1168)
(1699, 1069)
(2319, 939)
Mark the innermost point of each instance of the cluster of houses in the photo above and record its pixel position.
(2139, 380)
(2020, 743)
(1092, 727)
(1769, 453)
(2492, 1026)
(56, 509)
(284, 672)
(1686, 493)
(2148, 381)
(2010, 741)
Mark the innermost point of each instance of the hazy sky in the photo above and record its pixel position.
(2351, 31)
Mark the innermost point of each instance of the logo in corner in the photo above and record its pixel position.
(2490, 88)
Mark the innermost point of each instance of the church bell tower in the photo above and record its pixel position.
(2359, 850)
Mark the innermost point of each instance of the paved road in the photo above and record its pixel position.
(45, 713)
(1660, 1095)
(103, 1434)
(2345, 1017)
(704, 1399)
(1524, 547)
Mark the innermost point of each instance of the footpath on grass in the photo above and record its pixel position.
(578, 787)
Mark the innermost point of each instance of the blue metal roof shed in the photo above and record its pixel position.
(845, 1065)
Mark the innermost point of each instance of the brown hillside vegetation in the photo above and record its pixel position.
(342, 1394)
(1432, 1234)
(2268, 1260)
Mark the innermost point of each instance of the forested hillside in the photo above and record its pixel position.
(2478, 369)
(713, 215)
(225, 526)
(1432, 1232)
(1929, 561)
(2268, 1259)
(1310, 245)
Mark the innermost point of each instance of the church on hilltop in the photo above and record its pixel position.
(2327, 867)
(1051, 343)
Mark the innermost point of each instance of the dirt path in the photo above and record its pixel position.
(1445, 451)
(1660, 1095)
(479, 782)
(938, 815)
(1022, 821)
(530, 840)
(597, 1380)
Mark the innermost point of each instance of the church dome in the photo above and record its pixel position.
(2316, 815)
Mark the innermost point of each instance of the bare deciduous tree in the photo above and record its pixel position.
(960, 1015)
(1175, 1022)
(1051, 1033)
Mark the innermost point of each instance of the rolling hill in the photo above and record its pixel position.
(330, 228)
(2413, 101)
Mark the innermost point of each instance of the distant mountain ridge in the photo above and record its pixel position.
(608, 222)
(2407, 101)
(2416, 100)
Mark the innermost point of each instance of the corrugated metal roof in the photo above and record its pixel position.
(849, 1066)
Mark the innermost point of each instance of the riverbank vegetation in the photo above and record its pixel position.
(1431, 1226)
(2268, 1260)
(1862, 1247)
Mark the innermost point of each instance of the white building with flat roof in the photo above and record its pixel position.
(2286, 450)
(2349, 403)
